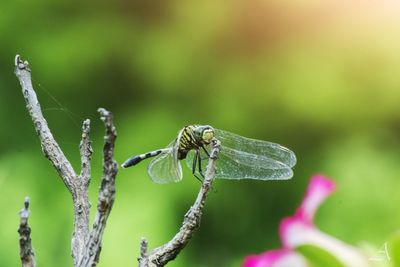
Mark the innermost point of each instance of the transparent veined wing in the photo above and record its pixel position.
(266, 149)
(165, 168)
(245, 158)
(234, 164)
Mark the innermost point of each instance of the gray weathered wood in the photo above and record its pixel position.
(162, 255)
(106, 193)
(77, 184)
(25, 243)
(86, 245)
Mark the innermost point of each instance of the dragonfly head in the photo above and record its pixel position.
(204, 133)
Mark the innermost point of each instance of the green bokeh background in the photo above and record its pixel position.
(320, 77)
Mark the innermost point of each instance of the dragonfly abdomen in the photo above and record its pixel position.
(136, 159)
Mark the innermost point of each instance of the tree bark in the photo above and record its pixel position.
(25, 243)
(85, 245)
(162, 255)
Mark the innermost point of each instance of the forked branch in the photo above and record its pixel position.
(85, 244)
(106, 192)
(162, 255)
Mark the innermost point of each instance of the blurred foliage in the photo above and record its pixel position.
(394, 247)
(317, 76)
(318, 257)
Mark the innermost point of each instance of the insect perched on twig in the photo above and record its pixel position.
(239, 158)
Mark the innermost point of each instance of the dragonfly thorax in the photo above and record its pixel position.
(194, 137)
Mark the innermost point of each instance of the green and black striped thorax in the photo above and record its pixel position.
(193, 137)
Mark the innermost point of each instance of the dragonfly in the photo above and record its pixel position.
(239, 158)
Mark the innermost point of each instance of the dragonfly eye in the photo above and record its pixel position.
(208, 135)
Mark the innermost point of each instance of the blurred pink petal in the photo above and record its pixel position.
(299, 229)
(319, 188)
(275, 258)
(295, 233)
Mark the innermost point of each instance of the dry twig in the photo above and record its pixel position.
(25, 243)
(86, 245)
(106, 193)
(82, 240)
(162, 255)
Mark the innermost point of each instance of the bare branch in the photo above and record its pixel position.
(144, 258)
(81, 200)
(106, 193)
(25, 243)
(77, 185)
(162, 255)
(86, 153)
(50, 147)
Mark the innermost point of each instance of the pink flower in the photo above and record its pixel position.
(299, 229)
(276, 258)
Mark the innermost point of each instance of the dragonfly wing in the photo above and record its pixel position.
(234, 164)
(165, 168)
(245, 158)
(266, 149)
(237, 165)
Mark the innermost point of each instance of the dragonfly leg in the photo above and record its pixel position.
(194, 163)
(196, 157)
(205, 150)
(200, 170)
